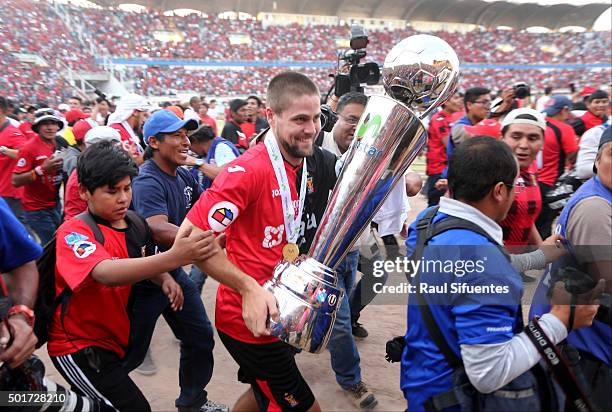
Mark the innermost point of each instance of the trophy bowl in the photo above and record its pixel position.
(422, 72)
(307, 298)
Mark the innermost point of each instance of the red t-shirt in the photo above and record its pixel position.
(95, 313)
(524, 211)
(439, 127)
(590, 120)
(248, 129)
(12, 138)
(26, 129)
(245, 200)
(43, 192)
(211, 122)
(73, 204)
(551, 151)
(127, 141)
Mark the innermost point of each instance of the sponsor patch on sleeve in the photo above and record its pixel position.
(21, 162)
(221, 215)
(83, 248)
(74, 237)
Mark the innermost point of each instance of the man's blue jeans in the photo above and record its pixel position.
(44, 222)
(344, 355)
(190, 325)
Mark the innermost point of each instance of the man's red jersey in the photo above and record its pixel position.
(551, 152)
(95, 314)
(73, 204)
(128, 143)
(439, 127)
(244, 201)
(43, 192)
(524, 211)
(10, 137)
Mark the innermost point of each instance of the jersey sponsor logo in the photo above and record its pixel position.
(188, 193)
(21, 162)
(221, 215)
(273, 236)
(73, 237)
(332, 299)
(321, 295)
(83, 249)
(291, 400)
(234, 169)
(310, 185)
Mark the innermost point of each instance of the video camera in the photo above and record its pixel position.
(359, 73)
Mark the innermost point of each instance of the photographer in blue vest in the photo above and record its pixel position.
(465, 344)
(586, 224)
(214, 153)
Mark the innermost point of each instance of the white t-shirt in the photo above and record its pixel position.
(223, 155)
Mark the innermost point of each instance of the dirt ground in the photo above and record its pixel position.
(383, 321)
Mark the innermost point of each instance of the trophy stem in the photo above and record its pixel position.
(388, 138)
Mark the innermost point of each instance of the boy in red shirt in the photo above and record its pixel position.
(39, 170)
(90, 330)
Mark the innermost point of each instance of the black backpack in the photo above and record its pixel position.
(46, 300)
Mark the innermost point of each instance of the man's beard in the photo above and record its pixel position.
(296, 151)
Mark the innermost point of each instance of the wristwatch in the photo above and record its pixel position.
(25, 311)
(199, 162)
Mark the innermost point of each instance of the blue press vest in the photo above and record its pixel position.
(596, 339)
(210, 156)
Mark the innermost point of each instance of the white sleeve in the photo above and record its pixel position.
(587, 152)
(223, 155)
(490, 367)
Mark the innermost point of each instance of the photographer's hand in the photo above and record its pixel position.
(23, 343)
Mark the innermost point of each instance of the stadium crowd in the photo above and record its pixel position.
(121, 34)
(133, 205)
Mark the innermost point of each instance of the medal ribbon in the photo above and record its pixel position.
(292, 222)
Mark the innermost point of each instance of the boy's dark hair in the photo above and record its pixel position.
(148, 153)
(102, 99)
(3, 104)
(349, 98)
(104, 164)
(202, 134)
(76, 98)
(599, 94)
(259, 102)
(473, 93)
(478, 164)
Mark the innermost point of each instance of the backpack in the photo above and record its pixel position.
(46, 300)
(566, 183)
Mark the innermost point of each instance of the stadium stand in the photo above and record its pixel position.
(86, 34)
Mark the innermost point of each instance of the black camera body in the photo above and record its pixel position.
(359, 73)
(521, 90)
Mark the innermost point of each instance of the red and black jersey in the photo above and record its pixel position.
(439, 127)
(524, 211)
(244, 201)
(590, 120)
(43, 193)
(95, 313)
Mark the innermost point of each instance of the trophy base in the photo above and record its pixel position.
(307, 298)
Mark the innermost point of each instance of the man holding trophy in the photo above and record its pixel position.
(258, 203)
(299, 298)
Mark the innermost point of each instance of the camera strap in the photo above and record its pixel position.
(558, 366)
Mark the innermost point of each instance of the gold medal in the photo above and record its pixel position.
(290, 252)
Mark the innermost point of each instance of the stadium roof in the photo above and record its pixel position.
(485, 13)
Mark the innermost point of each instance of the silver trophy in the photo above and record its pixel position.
(419, 74)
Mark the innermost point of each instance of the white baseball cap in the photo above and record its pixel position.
(525, 115)
(101, 134)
